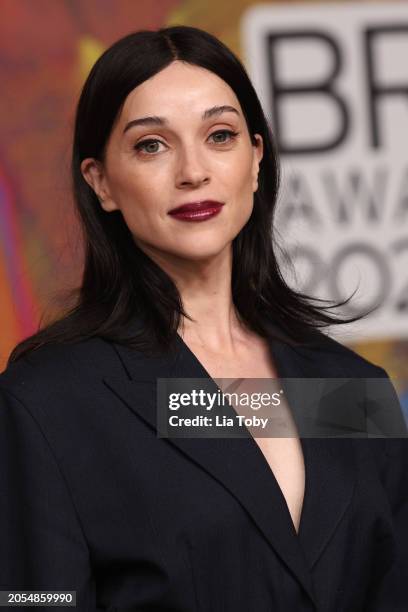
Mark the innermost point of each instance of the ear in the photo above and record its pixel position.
(94, 174)
(258, 154)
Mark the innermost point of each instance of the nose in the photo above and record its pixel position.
(191, 171)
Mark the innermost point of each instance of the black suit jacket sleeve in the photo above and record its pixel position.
(390, 593)
(391, 456)
(42, 544)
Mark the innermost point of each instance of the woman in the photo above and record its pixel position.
(93, 500)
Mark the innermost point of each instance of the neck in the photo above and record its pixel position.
(205, 290)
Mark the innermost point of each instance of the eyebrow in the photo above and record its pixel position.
(214, 111)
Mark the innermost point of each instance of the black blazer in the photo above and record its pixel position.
(92, 500)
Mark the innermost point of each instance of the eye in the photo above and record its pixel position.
(219, 136)
(148, 146)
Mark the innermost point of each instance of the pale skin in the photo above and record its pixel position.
(193, 154)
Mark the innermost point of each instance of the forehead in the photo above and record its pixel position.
(178, 88)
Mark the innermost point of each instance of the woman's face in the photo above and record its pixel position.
(190, 154)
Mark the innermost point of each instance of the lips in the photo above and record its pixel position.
(203, 205)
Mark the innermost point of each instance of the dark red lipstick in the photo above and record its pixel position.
(196, 211)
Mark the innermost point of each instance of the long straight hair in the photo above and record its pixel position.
(119, 281)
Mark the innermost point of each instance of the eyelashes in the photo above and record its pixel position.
(141, 146)
(232, 135)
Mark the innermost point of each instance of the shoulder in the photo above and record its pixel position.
(53, 367)
(335, 358)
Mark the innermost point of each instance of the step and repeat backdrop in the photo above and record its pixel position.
(333, 81)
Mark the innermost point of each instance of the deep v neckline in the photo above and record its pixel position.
(238, 464)
(202, 372)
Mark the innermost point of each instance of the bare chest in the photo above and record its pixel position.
(285, 458)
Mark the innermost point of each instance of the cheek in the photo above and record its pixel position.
(138, 195)
(243, 169)
(244, 196)
(241, 183)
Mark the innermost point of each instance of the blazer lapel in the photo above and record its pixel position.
(329, 463)
(239, 465)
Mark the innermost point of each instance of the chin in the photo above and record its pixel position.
(202, 252)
